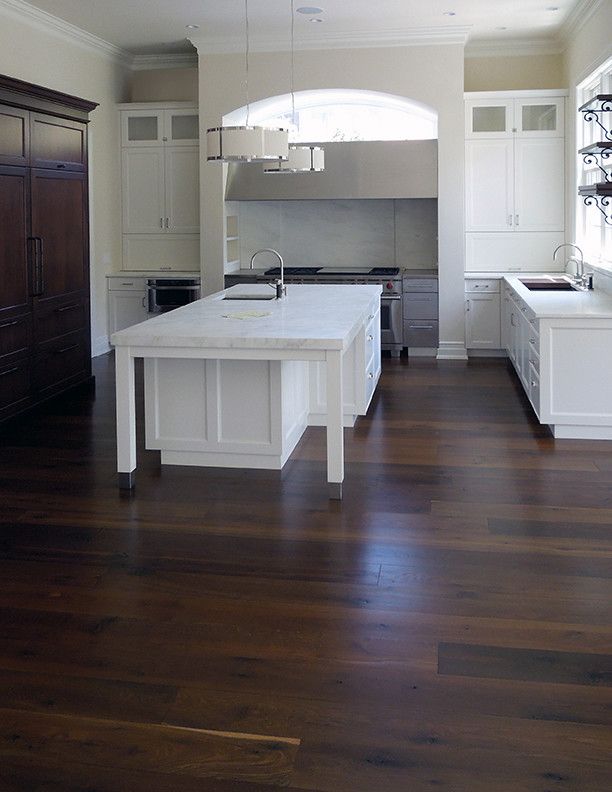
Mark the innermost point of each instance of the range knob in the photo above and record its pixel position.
(389, 285)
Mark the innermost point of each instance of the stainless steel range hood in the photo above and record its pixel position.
(355, 169)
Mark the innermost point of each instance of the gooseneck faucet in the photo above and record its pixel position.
(279, 285)
(581, 280)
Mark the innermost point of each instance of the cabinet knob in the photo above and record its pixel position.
(370, 338)
(370, 375)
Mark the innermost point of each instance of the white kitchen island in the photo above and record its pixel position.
(234, 383)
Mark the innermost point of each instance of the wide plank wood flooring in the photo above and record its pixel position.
(447, 627)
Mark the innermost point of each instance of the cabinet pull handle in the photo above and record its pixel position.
(167, 222)
(131, 283)
(67, 308)
(65, 349)
(509, 220)
(421, 327)
(144, 302)
(9, 324)
(39, 280)
(161, 222)
(370, 337)
(523, 309)
(370, 375)
(533, 383)
(9, 371)
(512, 320)
(516, 220)
(467, 305)
(532, 341)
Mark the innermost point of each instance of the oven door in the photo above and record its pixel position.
(166, 295)
(391, 320)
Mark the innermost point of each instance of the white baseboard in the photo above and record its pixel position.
(452, 350)
(422, 352)
(497, 353)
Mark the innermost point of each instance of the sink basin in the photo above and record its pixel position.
(547, 284)
(249, 297)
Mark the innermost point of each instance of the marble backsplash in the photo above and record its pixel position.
(342, 233)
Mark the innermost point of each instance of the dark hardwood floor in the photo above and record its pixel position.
(448, 626)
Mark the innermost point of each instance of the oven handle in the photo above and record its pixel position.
(174, 288)
(390, 297)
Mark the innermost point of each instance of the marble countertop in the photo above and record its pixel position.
(594, 304)
(315, 317)
(152, 274)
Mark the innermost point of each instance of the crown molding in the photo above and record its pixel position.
(48, 23)
(578, 17)
(492, 47)
(183, 60)
(408, 37)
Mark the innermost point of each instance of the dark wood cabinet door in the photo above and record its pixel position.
(15, 387)
(15, 276)
(14, 136)
(59, 228)
(57, 143)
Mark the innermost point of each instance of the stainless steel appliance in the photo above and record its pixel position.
(166, 294)
(390, 301)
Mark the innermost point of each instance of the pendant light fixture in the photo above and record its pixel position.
(246, 143)
(301, 159)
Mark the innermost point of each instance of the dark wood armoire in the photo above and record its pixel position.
(45, 345)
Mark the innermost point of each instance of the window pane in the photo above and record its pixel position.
(539, 118)
(185, 127)
(142, 128)
(489, 119)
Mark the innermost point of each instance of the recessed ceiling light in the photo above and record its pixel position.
(315, 19)
(501, 27)
(449, 13)
(552, 8)
(309, 10)
(192, 27)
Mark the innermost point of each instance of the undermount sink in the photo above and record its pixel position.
(249, 297)
(547, 284)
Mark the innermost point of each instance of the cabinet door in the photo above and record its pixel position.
(505, 328)
(142, 128)
(14, 136)
(491, 118)
(182, 181)
(539, 117)
(15, 289)
(482, 321)
(539, 184)
(489, 184)
(59, 223)
(181, 127)
(57, 143)
(143, 191)
(126, 308)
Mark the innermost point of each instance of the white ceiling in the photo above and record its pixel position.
(144, 27)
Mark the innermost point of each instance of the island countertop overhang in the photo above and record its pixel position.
(310, 317)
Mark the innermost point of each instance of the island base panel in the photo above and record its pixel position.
(127, 480)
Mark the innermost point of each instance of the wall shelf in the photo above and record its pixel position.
(599, 196)
(596, 106)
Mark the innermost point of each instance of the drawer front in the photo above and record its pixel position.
(58, 143)
(15, 336)
(61, 317)
(420, 285)
(483, 285)
(127, 284)
(15, 386)
(533, 389)
(422, 333)
(420, 306)
(534, 361)
(61, 360)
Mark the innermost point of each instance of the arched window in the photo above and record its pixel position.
(336, 114)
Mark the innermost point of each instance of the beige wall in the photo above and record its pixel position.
(30, 53)
(429, 74)
(514, 73)
(165, 85)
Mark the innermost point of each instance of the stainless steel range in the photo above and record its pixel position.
(390, 301)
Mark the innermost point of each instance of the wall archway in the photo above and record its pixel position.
(334, 114)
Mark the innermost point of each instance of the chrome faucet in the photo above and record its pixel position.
(580, 279)
(279, 285)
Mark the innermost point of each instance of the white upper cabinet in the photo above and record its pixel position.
(489, 184)
(539, 184)
(522, 116)
(175, 126)
(160, 187)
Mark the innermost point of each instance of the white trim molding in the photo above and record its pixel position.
(451, 350)
(421, 36)
(55, 26)
(578, 17)
(513, 47)
(184, 60)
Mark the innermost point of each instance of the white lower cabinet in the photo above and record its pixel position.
(482, 314)
(127, 302)
(564, 365)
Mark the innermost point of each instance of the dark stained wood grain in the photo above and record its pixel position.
(531, 665)
(448, 626)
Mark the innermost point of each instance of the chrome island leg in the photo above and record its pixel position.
(126, 417)
(335, 429)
